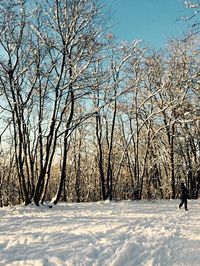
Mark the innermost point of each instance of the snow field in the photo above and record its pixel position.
(127, 233)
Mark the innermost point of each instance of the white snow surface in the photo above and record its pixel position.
(126, 233)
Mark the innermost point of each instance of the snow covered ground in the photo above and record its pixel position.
(126, 233)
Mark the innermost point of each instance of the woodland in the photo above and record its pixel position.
(84, 118)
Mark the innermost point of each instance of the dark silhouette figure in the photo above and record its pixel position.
(183, 197)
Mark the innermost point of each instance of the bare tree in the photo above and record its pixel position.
(193, 15)
(45, 70)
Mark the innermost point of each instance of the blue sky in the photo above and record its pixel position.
(153, 21)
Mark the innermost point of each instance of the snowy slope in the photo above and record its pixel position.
(124, 233)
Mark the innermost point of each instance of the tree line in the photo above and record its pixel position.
(84, 118)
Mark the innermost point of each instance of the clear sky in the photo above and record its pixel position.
(153, 21)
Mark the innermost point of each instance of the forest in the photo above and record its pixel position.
(84, 118)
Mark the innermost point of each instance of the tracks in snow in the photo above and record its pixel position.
(95, 234)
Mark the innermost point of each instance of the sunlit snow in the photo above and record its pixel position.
(127, 233)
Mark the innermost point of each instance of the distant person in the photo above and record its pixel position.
(183, 197)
